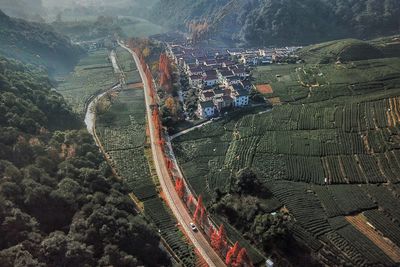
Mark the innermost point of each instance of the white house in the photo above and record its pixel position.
(239, 71)
(211, 80)
(196, 80)
(240, 98)
(247, 85)
(195, 70)
(222, 102)
(231, 80)
(207, 95)
(210, 62)
(206, 109)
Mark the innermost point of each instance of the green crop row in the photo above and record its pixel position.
(94, 73)
(122, 132)
(338, 129)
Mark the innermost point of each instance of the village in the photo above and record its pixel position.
(221, 77)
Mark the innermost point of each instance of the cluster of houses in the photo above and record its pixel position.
(222, 83)
(262, 56)
(221, 75)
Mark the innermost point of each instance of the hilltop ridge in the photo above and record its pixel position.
(289, 22)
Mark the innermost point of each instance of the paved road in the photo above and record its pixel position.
(168, 187)
(90, 117)
(172, 137)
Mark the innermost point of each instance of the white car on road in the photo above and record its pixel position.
(193, 226)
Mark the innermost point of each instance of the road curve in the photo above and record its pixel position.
(174, 202)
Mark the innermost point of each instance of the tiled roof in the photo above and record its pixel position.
(208, 94)
(207, 104)
(211, 77)
(242, 93)
(196, 77)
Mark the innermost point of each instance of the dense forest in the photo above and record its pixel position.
(36, 43)
(287, 22)
(59, 204)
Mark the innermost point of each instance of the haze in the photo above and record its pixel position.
(38, 10)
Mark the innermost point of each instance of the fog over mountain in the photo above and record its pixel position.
(39, 10)
(87, 3)
(22, 8)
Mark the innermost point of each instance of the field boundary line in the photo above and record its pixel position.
(361, 223)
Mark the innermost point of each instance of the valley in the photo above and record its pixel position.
(199, 133)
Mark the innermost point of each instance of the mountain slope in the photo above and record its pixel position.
(36, 44)
(342, 50)
(26, 9)
(59, 203)
(285, 22)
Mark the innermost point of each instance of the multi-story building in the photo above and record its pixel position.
(206, 109)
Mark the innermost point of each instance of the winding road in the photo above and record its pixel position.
(90, 115)
(174, 202)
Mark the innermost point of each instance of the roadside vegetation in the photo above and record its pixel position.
(122, 132)
(121, 128)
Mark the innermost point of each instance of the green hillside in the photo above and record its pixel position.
(36, 44)
(344, 51)
(351, 50)
(328, 152)
(59, 203)
(286, 22)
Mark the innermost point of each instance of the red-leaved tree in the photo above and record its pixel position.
(165, 73)
(180, 187)
(232, 254)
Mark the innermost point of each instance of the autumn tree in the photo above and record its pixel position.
(165, 73)
(198, 30)
(199, 209)
(180, 187)
(232, 254)
(218, 240)
(146, 52)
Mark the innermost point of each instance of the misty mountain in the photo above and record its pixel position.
(285, 22)
(87, 3)
(27, 9)
(37, 44)
(81, 9)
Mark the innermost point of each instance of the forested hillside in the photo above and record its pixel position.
(59, 205)
(37, 44)
(285, 22)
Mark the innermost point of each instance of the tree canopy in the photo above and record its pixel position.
(287, 22)
(59, 203)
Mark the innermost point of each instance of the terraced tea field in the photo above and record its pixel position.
(332, 149)
(128, 66)
(122, 131)
(93, 73)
